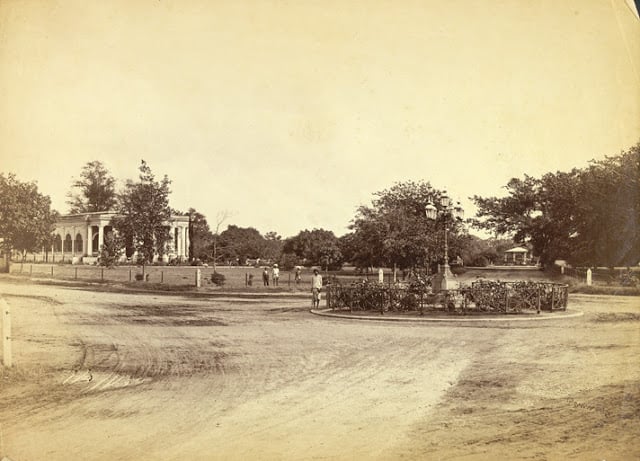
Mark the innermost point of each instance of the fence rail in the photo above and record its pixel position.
(481, 297)
(238, 277)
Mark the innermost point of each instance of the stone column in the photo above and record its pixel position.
(181, 241)
(73, 242)
(89, 250)
(186, 242)
(172, 245)
(100, 236)
(178, 242)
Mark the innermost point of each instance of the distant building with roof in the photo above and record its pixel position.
(518, 256)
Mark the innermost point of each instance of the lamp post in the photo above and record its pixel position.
(444, 279)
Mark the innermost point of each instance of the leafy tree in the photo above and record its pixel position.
(316, 247)
(538, 211)
(26, 219)
(394, 230)
(481, 252)
(240, 243)
(143, 213)
(607, 221)
(95, 190)
(288, 261)
(272, 246)
(200, 235)
(111, 250)
(587, 216)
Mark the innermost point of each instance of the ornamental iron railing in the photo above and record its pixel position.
(488, 297)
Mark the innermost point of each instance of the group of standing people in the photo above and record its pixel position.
(275, 276)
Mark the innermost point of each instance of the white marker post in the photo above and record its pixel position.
(589, 277)
(6, 333)
(198, 278)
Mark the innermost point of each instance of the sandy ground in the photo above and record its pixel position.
(111, 376)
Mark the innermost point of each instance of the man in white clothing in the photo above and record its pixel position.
(316, 286)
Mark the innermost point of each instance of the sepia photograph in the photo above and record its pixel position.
(319, 230)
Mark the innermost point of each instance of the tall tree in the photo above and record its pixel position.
(607, 222)
(26, 219)
(94, 191)
(200, 236)
(536, 211)
(272, 247)
(221, 217)
(143, 212)
(587, 216)
(240, 243)
(317, 247)
(394, 230)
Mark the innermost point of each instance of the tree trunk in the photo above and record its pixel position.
(215, 253)
(7, 261)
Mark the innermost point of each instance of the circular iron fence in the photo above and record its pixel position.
(491, 297)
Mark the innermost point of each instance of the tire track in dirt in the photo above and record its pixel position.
(335, 390)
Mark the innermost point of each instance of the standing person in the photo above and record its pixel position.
(298, 278)
(265, 277)
(276, 275)
(316, 286)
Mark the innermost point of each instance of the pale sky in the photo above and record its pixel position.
(292, 113)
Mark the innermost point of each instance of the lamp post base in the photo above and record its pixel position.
(445, 280)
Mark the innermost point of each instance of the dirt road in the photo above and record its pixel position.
(110, 376)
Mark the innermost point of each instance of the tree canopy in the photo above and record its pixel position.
(95, 190)
(143, 212)
(318, 247)
(200, 236)
(26, 219)
(239, 243)
(395, 231)
(588, 216)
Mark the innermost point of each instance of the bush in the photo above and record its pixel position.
(217, 279)
(627, 279)
(479, 261)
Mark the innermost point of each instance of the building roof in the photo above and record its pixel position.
(517, 250)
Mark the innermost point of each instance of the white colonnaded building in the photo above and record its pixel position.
(79, 237)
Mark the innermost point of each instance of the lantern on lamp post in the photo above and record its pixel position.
(444, 279)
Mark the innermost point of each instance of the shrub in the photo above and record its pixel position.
(627, 279)
(217, 279)
(479, 261)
